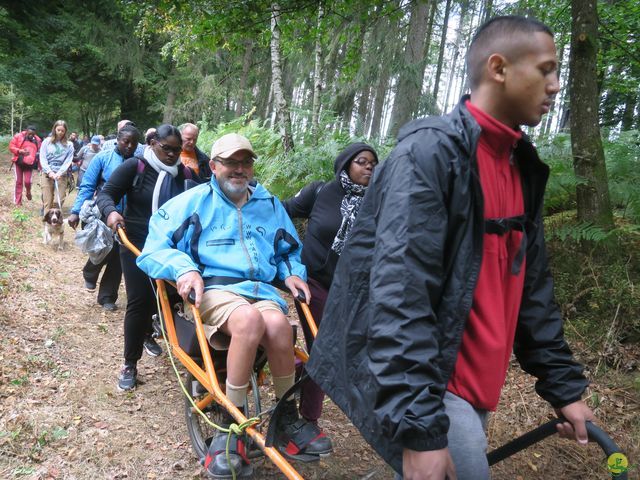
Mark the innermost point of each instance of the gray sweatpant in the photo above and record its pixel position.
(467, 438)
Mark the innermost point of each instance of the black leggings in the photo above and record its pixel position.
(108, 290)
(141, 306)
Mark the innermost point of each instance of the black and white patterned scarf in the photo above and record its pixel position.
(349, 209)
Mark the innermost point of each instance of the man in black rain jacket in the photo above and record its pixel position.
(403, 291)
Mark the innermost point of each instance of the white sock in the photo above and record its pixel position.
(237, 394)
(282, 384)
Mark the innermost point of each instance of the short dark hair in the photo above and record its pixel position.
(31, 127)
(482, 45)
(130, 129)
(165, 130)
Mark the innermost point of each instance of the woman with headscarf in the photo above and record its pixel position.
(331, 208)
(56, 155)
(147, 182)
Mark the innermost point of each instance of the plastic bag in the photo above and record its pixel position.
(95, 239)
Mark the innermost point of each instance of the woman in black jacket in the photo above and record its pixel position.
(331, 208)
(147, 182)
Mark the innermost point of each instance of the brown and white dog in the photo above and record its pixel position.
(53, 226)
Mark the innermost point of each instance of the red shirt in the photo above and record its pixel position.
(487, 340)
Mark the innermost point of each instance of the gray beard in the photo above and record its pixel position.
(231, 190)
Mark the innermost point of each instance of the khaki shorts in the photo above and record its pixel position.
(217, 306)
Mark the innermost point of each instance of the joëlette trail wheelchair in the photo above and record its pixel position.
(205, 400)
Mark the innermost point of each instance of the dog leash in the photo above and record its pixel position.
(55, 184)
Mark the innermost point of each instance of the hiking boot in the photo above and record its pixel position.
(219, 463)
(90, 286)
(110, 307)
(127, 378)
(28, 195)
(151, 347)
(300, 439)
(219, 466)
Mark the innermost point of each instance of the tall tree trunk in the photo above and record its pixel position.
(345, 99)
(546, 128)
(363, 108)
(167, 114)
(464, 6)
(268, 114)
(443, 43)
(264, 91)
(282, 109)
(317, 76)
(488, 10)
(629, 110)
(410, 78)
(13, 99)
(246, 66)
(386, 53)
(586, 144)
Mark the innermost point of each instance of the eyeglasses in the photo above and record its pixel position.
(233, 164)
(169, 148)
(362, 161)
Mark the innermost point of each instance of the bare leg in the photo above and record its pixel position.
(278, 342)
(246, 328)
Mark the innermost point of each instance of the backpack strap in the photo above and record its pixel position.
(501, 226)
(137, 180)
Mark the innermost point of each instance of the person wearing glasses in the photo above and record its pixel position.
(147, 182)
(331, 208)
(228, 240)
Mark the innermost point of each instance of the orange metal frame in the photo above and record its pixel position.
(207, 376)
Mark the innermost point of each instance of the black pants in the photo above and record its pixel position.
(141, 305)
(108, 291)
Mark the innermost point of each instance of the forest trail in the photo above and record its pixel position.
(62, 418)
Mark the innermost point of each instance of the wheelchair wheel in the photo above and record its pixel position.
(200, 432)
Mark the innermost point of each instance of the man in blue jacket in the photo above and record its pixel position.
(96, 175)
(227, 240)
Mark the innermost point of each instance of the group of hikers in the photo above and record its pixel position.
(424, 273)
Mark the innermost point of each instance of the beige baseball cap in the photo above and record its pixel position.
(229, 144)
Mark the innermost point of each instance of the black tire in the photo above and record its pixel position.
(200, 432)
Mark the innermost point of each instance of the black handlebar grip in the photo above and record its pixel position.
(192, 297)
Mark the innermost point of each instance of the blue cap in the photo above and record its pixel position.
(95, 140)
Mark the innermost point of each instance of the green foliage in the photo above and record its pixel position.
(597, 291)
(561, 187)
(581, 232)
(622, 153)
(283, 174)
(78, 61)
(623, 169)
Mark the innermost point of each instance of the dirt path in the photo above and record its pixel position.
(61, 417)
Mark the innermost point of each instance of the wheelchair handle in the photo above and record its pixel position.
(596, 434)
(191, 298)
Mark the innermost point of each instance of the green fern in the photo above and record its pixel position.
(581, 232)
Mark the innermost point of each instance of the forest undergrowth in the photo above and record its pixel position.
(61, 417)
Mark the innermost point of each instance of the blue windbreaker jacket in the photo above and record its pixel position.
(202, 230)
(97, 174)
